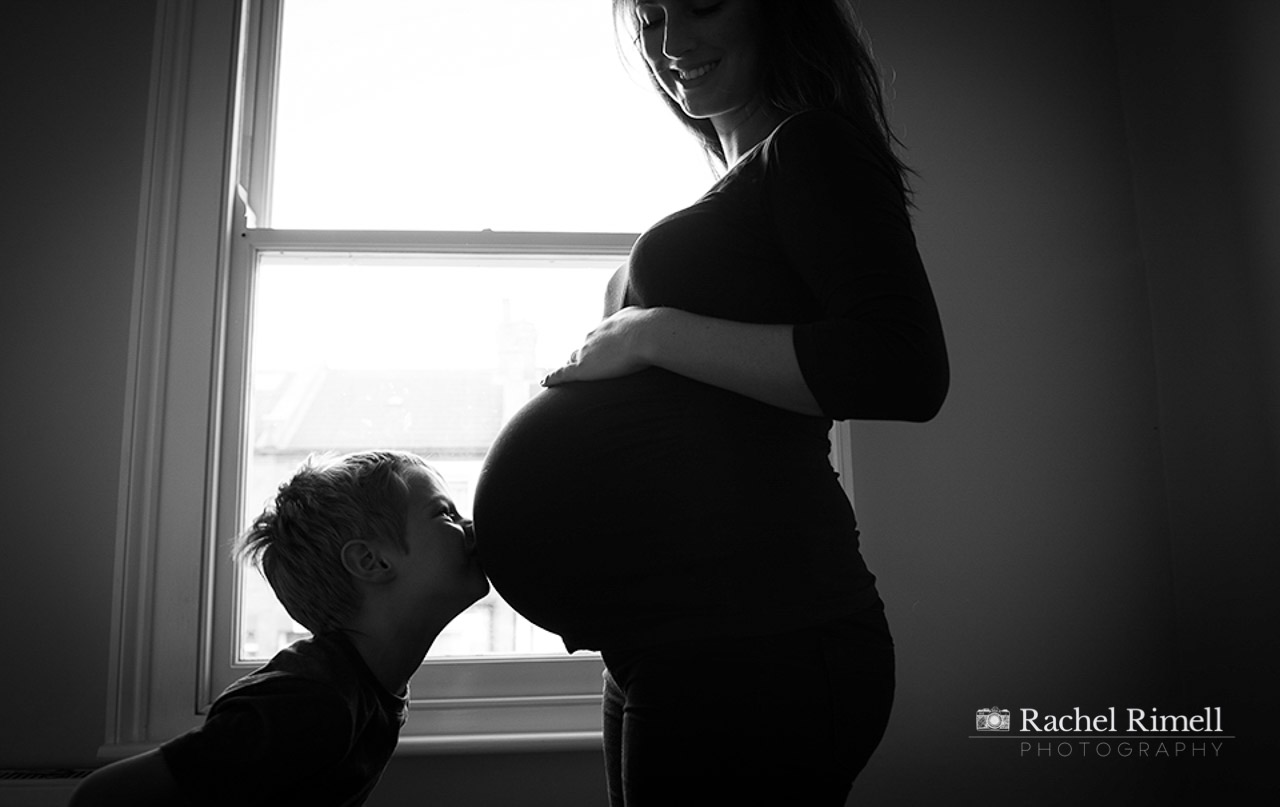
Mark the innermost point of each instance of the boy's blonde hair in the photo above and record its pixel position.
(297, 541)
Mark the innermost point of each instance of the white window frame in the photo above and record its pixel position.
(172, 620)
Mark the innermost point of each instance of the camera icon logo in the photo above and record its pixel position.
(993, 719)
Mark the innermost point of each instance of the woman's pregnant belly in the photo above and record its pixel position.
(601, 498)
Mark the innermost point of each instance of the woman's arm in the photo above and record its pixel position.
(876, 351)
(758, 361)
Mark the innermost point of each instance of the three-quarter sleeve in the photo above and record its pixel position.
(876, 351)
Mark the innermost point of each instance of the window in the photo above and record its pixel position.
(306, 165)
(426, 120)
(423, 352)
(446, 183)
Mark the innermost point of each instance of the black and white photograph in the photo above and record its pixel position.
(634, 403)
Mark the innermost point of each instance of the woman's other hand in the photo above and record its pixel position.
(615, 347)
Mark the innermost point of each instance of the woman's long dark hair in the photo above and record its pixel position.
(813, 55)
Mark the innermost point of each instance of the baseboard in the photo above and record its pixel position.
(38, 788)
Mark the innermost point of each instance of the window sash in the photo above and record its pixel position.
(454, 699)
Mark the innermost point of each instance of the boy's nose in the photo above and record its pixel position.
(469, 534)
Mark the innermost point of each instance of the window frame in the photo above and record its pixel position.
(172, 620)
(455, 702)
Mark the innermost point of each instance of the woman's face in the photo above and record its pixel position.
(703, 53)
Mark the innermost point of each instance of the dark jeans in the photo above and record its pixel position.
(788, 719)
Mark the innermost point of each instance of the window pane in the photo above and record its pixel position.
(508, 115)
(430, 354)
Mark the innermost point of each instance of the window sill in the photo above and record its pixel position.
(425, 745)
(514, 743)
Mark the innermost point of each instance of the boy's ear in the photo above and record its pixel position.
(365, 561)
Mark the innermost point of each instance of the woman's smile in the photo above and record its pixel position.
(690, 77)
(703, 55)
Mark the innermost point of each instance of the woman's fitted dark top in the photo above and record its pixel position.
(632, 511)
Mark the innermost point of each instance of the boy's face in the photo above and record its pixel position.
(440, 569)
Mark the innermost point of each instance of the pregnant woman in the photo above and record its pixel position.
(668, 500)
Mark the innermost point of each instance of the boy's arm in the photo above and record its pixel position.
(143, 780)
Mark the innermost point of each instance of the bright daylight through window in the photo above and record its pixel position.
(402, 115)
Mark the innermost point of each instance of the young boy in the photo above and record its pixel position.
(369, 553)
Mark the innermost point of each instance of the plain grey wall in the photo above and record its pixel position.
(1021, 538)
(1200, 89)
(72, 125)
(1089, 521)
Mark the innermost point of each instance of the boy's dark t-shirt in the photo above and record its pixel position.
(311, 727)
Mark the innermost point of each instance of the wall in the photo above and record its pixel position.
(1200, 89)
(1021, 538)
(1086, 523)
(75, 81)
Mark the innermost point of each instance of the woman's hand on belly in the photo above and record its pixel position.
(616, 347)
(755, 360)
